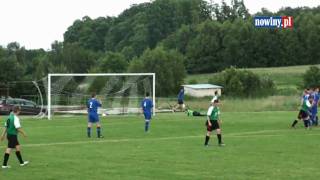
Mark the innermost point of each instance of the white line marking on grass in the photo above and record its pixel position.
(258, 132)
(253, 134)
(267, 135)
(107, 141)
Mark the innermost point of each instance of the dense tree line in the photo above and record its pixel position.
(171, 37)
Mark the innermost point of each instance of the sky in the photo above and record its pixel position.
(37, 23)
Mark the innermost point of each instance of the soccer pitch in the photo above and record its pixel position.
(258, 146)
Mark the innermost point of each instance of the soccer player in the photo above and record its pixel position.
(306, 107)
(147, 106)
(304, 98)
(215, 97)
(305, 111)
(194, 113)
(314, 108)
(214, 122)
(93, 116)
(12, 128)
(180, 104)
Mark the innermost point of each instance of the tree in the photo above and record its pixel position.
(71, 58)
(10, 69)
(168, 66)
(309, 36)
(89, 33)
(180, 39)
(13, 46)
(204, 50)
(113, 63)
(225, 12)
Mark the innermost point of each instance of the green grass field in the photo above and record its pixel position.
(229, 104)
(258, 146)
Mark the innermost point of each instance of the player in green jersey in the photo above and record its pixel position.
(304, 113)
(304, 99)
(12, 128)
(214, 122)
(194, 113)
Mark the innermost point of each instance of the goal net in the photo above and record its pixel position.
(120, 93)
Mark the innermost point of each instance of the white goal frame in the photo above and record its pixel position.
(100, 74)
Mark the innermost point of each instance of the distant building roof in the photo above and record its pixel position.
(202, 86)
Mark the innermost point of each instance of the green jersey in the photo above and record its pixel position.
(189, 112)
(213, 113)
(305, 106)
(12, 124)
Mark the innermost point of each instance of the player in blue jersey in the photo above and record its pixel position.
(314, 108)
(93, 117)
(180, 105)
(147, 106)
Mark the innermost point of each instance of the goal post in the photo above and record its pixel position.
(96, 75)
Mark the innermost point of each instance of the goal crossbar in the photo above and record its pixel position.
(98, 74)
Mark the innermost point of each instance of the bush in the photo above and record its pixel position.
(193, 81)
(243, 83)
(311, 77)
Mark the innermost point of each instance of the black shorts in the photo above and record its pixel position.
(302, 114)
(306, 123)
(196, 113)
(214, 125)
(180, 101)
(12, 141)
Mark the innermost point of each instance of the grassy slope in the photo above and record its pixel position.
(259, 146)
(284, 77)
(287, 80)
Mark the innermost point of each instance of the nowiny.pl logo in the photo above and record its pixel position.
(273, 22)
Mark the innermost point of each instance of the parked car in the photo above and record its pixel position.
(27, 107)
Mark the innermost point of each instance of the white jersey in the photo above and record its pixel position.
(214, 98)
(16, 122)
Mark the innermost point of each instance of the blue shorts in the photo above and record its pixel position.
(93, 118)
(147, 116)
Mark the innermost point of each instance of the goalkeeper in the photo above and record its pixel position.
(194, 113)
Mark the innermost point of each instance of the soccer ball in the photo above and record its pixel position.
(104, 114)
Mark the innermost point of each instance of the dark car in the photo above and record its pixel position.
(27, 107)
